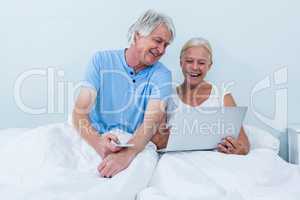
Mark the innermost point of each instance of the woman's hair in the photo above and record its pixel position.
(197, 42)
(147, 22)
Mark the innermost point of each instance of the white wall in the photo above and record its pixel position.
(251, 40)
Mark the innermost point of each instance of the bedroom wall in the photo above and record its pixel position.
(44, 47)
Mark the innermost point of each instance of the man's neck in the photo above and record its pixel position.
(132, 59)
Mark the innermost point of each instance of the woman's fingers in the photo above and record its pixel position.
(228, 145)
(232, 141)
(233, 146)
(222, 148)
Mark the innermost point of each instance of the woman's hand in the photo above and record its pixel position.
(230, 145)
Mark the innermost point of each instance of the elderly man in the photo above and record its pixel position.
(126, 90)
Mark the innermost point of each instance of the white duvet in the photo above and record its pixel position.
(261, 175)
(53, 162)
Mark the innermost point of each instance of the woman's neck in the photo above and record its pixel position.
(191, 94)
(188, 90)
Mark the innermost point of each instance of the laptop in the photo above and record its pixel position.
(203, 129)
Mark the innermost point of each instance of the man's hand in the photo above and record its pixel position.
(105, 145)
(230, 145)
(116, 162)
(161, 137)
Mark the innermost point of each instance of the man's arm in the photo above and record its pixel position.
(161, 137)
(80, 117)
(153, 117)
(114, 163)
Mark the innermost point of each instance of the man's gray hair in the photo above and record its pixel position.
(147, 22)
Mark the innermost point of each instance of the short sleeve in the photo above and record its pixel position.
(92, 73)
(161, 85)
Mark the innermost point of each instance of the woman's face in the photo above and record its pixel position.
(195, 63)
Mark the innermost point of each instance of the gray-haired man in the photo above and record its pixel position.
(126, 90)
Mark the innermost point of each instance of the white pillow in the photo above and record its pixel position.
(259, 138)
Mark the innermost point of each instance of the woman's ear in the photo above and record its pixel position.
(180, 63)
(209, 66)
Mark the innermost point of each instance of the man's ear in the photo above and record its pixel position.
(136, 36)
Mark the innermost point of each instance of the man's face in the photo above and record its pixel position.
(150, 48)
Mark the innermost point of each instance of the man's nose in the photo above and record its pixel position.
(161, 48)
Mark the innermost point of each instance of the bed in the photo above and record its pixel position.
(53, 162)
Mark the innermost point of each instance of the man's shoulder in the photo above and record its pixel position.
(108, 53)
(108, 58)
(159, 67)
(160, 73)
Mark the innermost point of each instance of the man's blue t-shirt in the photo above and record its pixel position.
(122, 94)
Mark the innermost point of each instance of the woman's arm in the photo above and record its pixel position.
(231, 145)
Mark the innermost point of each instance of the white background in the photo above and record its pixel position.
(251, 40)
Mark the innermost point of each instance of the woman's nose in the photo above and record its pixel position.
(195, 65)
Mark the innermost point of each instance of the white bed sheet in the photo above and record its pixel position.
(261, 175)
(53, 162)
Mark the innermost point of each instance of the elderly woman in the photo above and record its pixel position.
(196, 61)
(197, 174)
(210, 174)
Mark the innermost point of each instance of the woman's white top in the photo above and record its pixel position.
(177, 107)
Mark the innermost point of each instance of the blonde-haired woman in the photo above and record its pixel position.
(196, 61)
(210, 174)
